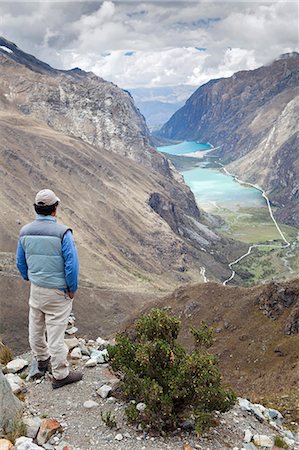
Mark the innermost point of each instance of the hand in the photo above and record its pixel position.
(71, 295)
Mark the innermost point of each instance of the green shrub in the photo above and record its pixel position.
(109, 419)
(204, 335)
(174, 384)
(280, 443)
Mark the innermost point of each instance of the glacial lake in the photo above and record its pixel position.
(211, 187)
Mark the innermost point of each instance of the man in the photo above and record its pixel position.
(47, 257)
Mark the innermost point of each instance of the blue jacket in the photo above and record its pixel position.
(47, 255)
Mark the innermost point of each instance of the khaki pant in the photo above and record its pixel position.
(48, 315)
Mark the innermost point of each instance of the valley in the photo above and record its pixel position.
(244, 213)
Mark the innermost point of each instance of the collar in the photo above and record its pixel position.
(41, 217)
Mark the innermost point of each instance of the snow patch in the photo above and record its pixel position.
(6, 49)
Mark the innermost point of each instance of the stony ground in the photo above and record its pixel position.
(84, 429)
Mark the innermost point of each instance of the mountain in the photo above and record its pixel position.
(253, 116)
(136, 223)
(159, 103)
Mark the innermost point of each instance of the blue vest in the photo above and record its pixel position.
(42, 244)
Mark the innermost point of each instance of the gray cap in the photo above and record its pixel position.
(46, 197)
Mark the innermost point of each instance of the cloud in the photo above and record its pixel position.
(153, 43)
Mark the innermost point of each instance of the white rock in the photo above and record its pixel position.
(104, 390)
(100, 355)
(245, 405)
(16, 383)
(16, 365)
(71, 330)
(25, 443)
(289, 442)
(111, 399)
(248, 436)
(140, 406)
(85, 358)
(262, 440)
(32, 426)
(71, 343)
(91, 362)
(76, 353)
(90, 404)
(119, 437)
(102, 342)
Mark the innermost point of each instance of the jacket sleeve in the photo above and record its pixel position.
(71, 262)
(21, 261)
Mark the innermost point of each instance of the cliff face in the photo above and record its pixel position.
(253, 117)
(84, 138)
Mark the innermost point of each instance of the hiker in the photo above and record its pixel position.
(47, 257)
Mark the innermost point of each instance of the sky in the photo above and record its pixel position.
(153, 44)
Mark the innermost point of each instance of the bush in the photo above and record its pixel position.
(174, 384)
(6, 354)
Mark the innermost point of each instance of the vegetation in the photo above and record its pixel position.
(18, 429)
(109, 419)
(173, 384)
(6, 354)
(280, 443)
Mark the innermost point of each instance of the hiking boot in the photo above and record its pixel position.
(72, 377)
(44, 366)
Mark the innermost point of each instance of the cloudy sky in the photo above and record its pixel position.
(153, 44)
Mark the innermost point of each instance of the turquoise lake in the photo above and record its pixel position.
(211, 187)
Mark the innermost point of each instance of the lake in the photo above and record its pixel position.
(211, 187)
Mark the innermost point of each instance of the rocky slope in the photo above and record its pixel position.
(253, 116)
(136, 223)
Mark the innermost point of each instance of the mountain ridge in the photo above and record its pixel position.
(238, 114)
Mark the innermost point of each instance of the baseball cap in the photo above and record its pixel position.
(46, 197)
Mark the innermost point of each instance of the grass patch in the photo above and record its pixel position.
(18, 429)
(280, 443)
(6, 354)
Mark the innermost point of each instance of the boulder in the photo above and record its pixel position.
(263, 441)
(16, 365)
(71, 343)
(25, 443)
(104, 391)
(16, 383)
(47, 429)
(32, 426)
(10, 405)
(5, 444)
(90, 404)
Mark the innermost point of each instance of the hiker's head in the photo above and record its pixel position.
(46, 202)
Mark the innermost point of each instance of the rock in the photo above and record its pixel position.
(244, 404)
(25, 443)
(72, 343)
(102, 343)
(263, 441)
(141, 406)
(32, 426)
(119, 437)
(10, 406)
(248, 436)
(274, 415)
(249, 446)
(16, 365)
(16, 383)
(71, 330)
(100, 355)
(76, 353)
(34, 372)
(47, 429)
(188, 424)
(90, 404)
(92, 362)
(288, 441)
(257, 411)
(83, 347)
(5, 444)
(104, 391)
(109, 378)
